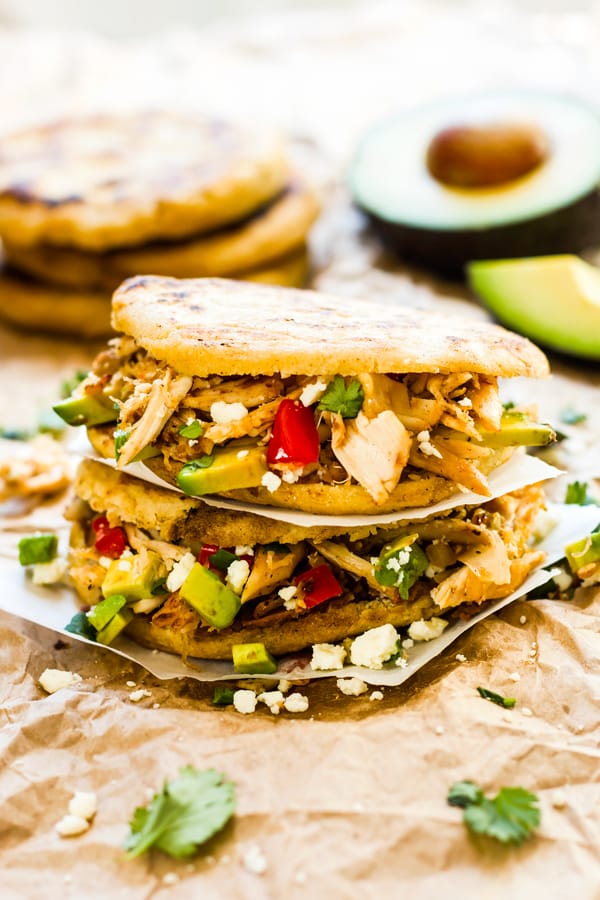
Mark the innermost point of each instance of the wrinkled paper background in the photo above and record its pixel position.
(347, 800)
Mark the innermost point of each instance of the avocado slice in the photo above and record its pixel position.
(552, 208)
(87, 409)
(225, 470)
(581, 553)
(133, 576)
(101, 614)
(253, 659)
(116, 625)
(518, 429)
(553, 299)
(214, 601)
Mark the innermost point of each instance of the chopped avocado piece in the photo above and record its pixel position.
(116, 625)
(581, 553)
(551, 209)
(234, 466)
(39, 548)
(214, 601)
(253, 659)
(133, 576)
(223, 695)
(101, 614)
(81, 625)
(400, 564)
(88, 409)
(553, 299)
(518, 429)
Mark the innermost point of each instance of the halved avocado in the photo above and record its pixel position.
(549, 204)
(553, 299)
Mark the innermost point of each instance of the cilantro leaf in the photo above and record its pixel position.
(347, 400)
(194, 430)
(188, 811)
(577, 494)
(506, 702)
(223, 695)
(464, 793)
(510, 817)
(570, 416)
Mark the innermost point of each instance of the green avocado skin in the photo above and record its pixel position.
(554, 300)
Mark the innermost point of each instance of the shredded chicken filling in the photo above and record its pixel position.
(407, 423)
(473, 555)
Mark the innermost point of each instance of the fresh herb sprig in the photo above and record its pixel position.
(510, 817)
(498, 699)
(345, 399)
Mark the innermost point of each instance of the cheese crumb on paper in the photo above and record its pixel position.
(136, 696)
(427, 629)
(373, 648)
(244, 701)
(53, 680)
(352, 687)
(83, 804)
(296, 703)
(71, 826)
(254, 860)
(326, 657)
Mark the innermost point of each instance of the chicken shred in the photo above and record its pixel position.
(164, 397)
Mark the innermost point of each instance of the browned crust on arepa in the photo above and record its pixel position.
(139, 177)
(216, 326)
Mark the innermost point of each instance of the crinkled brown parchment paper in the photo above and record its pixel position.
(347, 800)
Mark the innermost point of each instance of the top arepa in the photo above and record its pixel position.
(208, 326)
(108, 181)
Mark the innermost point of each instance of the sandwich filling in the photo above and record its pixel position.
(220, 433)
(292, 595)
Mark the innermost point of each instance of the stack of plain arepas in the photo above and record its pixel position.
(298, 401)
(85, 203)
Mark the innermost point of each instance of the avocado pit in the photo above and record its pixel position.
(486, 155)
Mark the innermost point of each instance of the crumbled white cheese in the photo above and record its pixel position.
(244, 701)
(396, 562)
(284, 685)
(190, 420)
(273, 700)
(71, 826)
(313, 392)
(432, 570)
(170, 878)
(427, 629)
(242, 454)
(427, 448)
(514, 677)
(83, 804)
(254, 860)
(296, 703)
(525, 711)
(559, 799)
(407, 643)
(373, 648)
(401, 662)
(563, 581)
(288, 595)
(291, 475)
(352, 687)
(49, 572)
(327, 656)
(105, 561)
(131, 684)
(124, 565)
(271, 481)
(465, 403)
(439, 729)
(223, 413)
(192, 442)
(53, 680)
(376, 695)
(522, 620)
(244, 550)
(460, 657)
(180, 572)
(136, 696)
(238, 572)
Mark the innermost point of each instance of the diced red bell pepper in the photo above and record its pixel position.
(100, 524)
(111, 542)
(206, 551)
(294, 439)
(317, 585)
